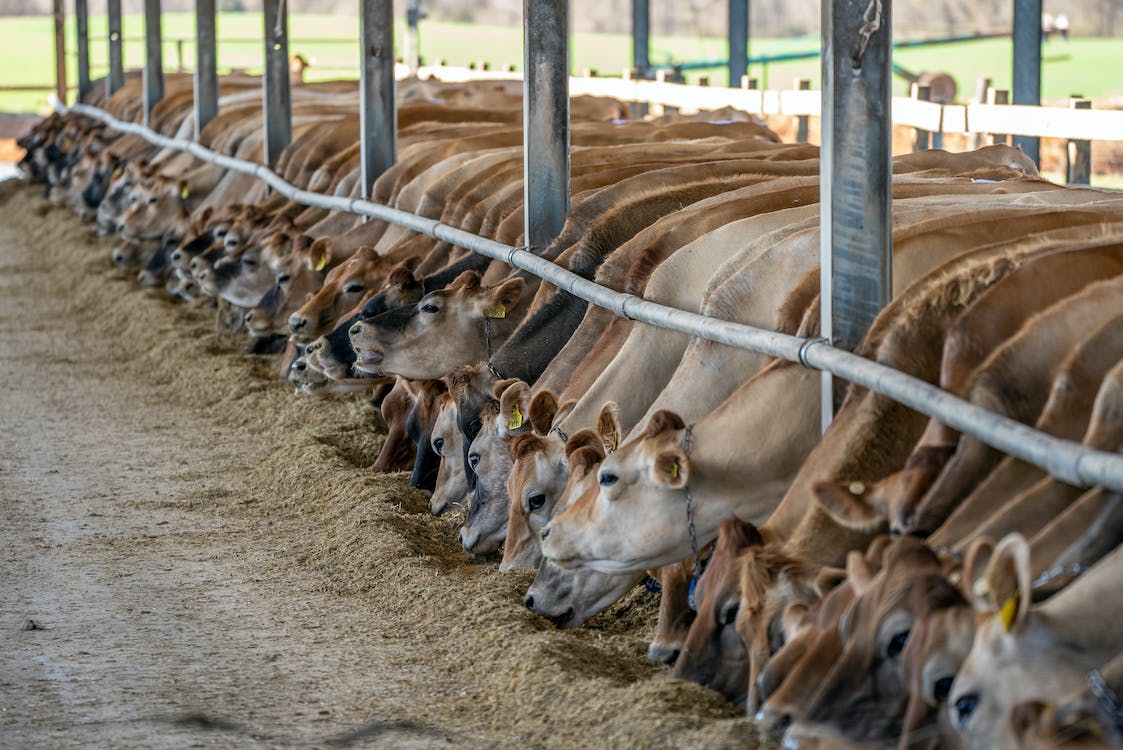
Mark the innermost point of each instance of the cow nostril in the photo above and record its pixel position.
(544, 533)
(355, 330)
(249, 316)
(529, 601)
(177, 256)
(297, 322)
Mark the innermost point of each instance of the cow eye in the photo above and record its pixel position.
(536, 501)
(152, 200)
(965, 706)
(284, 278)
(607, 479)
(896, 644)
(353, 288)
(220, 233)
(438, 444)
(943, 689)
(429, 309)
(249, 262)
(474, 460)
(729, 613)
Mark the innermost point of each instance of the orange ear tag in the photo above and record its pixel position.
(499, 311)
(516, 420)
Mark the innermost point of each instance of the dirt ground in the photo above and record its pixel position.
(192, 556)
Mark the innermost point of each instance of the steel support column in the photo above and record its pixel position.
(1027, 66)
(153, 57)
(275, 87)
(641, 38)
(116, 77)
(545, 119)
(206, 65)
(855, 185)
(60, 50)
(412, 52)
(82, 31)
(738, 41)
(377, 111)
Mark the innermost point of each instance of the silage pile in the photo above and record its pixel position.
(493, 669)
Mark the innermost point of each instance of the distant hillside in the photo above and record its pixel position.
(690, 17)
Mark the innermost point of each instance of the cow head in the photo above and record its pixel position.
(502, 418)
(445, 440)
(445, 329)
(634, 520)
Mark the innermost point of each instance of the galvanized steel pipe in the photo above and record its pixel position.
(1068, 461)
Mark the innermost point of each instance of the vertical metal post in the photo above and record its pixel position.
(1078, 169)
(738, 41)
(998, 96)
(545, 119)
(855, 181)
(82, 30)
(275, 88)
(1027, 65)
(377, 112)
(641, 38)
(802, 122)
(60, 51)
(924, 94)
(206, 65)
(413, 35)
(153, 57)
(116, 60)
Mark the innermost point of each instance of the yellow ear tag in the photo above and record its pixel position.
(117, 170)
(614, 443)
(184, 192)
(516, 420)
(322, 263)
(1009, 612)
(674, 471)
(499, 311)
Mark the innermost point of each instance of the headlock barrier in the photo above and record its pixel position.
(1068, 461)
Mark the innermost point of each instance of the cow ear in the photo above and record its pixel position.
(543, 407)
(318, 254)
(858, 572)
(582, 461)
(852, 505)
(501, 299)
(514, 406)
(609, 427)
(972, 581)
(367, 252)
(584, 438)
(672, 468)
(828, 579)
(1008, 580)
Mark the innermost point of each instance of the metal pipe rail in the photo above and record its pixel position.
(1068, 461)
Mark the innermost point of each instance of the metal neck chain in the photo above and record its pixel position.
(1060, 571)
(688, 497)
(1107, 698)
(487, 348)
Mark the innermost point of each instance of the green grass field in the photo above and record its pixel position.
(1082, 66)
